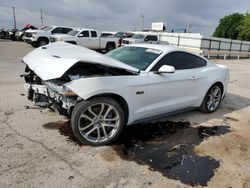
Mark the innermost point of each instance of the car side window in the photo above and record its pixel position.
(57, 30)
(66, 30)
(93, 34)
(180, 61)
(152, 38)
(84, 34)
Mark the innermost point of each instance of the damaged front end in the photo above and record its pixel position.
(55, 94)
(51, 94)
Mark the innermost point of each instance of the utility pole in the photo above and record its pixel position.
(188, 27)
(41, 16)
(142, 24)
(14, 16)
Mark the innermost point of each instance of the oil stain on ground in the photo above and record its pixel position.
(168, 147)
(64, 129)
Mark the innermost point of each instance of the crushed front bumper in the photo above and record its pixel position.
(44, 97)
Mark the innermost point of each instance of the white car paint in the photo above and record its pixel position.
(92, 42)
(32, 36)
(162, 93)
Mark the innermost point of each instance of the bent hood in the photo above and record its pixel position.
(53, 60)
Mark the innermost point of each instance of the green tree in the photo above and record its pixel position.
(229, 26)
(244, 33)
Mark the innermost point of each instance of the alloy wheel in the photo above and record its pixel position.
(99, 123)
(214, 98)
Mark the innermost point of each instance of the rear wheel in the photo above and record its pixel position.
(212, 99)
(110, 46)
(98, 121)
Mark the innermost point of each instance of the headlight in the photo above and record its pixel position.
(59, 39)
(33, 34)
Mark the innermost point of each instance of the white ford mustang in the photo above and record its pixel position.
(136, 83)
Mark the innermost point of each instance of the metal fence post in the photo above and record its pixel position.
(209, 48)
(219, 45)
(241, 46)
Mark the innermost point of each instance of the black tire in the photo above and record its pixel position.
(42, 42)
(82, 107)
(110, 46)
(205, 103)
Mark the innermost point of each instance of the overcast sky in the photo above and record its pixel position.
(115, 15)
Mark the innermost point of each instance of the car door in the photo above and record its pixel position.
(84, 39)
(168, 92)
(94, 44)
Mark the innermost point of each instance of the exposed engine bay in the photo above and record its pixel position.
(55, 95)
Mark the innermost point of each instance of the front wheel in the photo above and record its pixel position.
(212, 99)
(98, 121)
(42, 42)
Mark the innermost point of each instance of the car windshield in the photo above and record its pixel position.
(138, 36)
(73, 32)
(137, 57)
(47, 28)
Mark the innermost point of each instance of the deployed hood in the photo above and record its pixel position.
(52, 61)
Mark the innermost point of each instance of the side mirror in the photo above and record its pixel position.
(166, 69)
(80, 35)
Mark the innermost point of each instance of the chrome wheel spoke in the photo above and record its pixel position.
(111, 119)
(209, 104)
(215, 92)
(104, 132)
(89, 132)
(101, 110)
(108, 111)
(98, 135)
(91, 111)
(86, 117)
(110, 125)
(86, 127)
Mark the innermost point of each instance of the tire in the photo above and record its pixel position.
(98, 116)
(42, 42)
(212, 99)
(110, 46)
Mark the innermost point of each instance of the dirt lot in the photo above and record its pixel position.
(37, 148)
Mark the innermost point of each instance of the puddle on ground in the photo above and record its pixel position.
(64, 129)
(167, 147)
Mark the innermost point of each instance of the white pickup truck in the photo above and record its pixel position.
(41, 37)
(88, 38)
(141, 38)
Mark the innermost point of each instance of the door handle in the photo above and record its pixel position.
(193, 78)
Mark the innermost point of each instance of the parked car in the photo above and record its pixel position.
(19, 34)
(10, 34)
(135, 83)
(140, 38)
(2, 33)
(88, 38)
(41, 37)
(123, 35)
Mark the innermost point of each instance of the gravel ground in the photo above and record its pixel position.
(37, 148)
